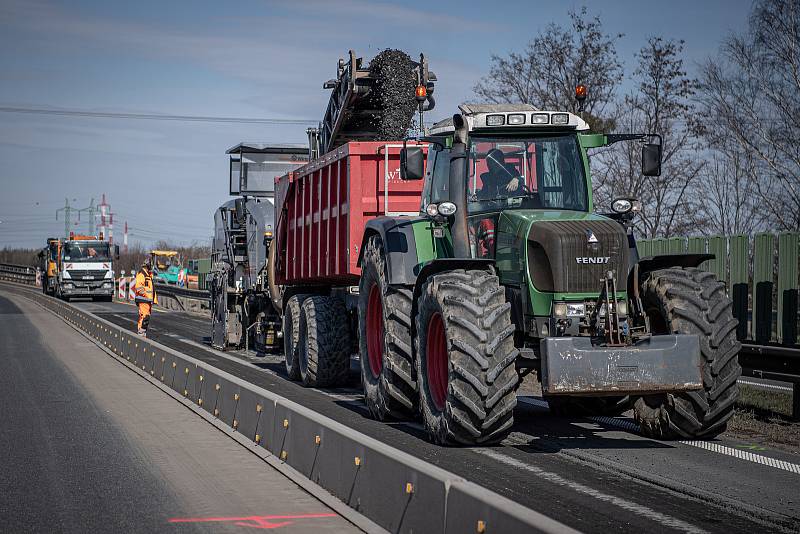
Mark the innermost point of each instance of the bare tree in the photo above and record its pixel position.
(749, 97)
(728, 195)
(546, 73)
(659, 104)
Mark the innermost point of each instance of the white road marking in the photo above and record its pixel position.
(631, 426)
(340, 396)
(766, 386)
(625, 504)
(745, 455)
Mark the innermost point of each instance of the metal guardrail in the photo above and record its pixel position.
(396, 490)
(774, 362)
(169, 289)
(24, 274)
(183, 299)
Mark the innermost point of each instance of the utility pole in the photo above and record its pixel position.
(67, 209)
(104, 210)
(92, 210)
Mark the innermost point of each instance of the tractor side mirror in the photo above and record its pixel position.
(116, 252)
(412, 163)
(651, 159)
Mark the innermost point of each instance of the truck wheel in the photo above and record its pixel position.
(384, 327)
(567, 406)
(324, 342)
(691, 301)
(465, 358)
(291, 335)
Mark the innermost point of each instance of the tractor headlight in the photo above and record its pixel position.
(447, 209)
(560, 309)
(622, 307)
(576, 309)
(622, 205)
(432, 210)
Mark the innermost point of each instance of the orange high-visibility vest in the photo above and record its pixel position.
(143, 288)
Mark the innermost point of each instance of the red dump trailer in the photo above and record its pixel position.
(326, 211)
(322, 209)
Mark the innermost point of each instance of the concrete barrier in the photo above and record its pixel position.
(397, 491)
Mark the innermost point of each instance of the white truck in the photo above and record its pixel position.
(86, 268)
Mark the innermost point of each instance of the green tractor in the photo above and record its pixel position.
(508, 270)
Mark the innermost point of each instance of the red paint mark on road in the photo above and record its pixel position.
(253, 521)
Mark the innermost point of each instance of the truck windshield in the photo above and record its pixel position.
(542, 172)
(86, 252)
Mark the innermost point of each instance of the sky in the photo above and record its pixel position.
(249, 59)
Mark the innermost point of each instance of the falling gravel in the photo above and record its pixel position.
(394, 90)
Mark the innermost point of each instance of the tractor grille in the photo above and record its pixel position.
(562, 259)
(94, 273)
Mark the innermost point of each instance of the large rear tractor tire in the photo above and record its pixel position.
(291, 335)
(384, 325)
(465, 358)
(691, 301)
(324, 342)
(567, 406)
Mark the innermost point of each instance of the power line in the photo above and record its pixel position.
(151, 116)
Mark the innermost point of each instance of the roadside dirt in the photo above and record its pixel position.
(762, 417)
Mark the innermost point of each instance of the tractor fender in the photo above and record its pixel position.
(649, 264)
(440, 265)
(399, 247)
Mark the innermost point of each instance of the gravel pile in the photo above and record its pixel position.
(394, 91)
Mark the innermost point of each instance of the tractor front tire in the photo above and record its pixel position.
(324, 342)
(291, 335)
(690, 301)
(384, 327)
(465, 358)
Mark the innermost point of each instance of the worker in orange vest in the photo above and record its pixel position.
(145, 296)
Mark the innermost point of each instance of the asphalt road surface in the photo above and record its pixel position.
(595, 475)
(88, 446)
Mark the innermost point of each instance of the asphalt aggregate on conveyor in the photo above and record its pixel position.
(394, 88)
(659, 486)
(88, 446)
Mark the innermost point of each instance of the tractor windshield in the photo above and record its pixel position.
(543, 172)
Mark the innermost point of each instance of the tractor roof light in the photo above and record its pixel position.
(540, 118)
(495, 120)
(580, 92)
(561, 119)
(421, 93)
(516, 119)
